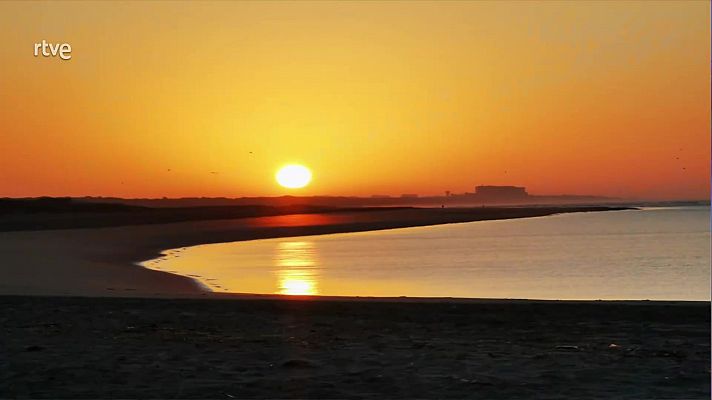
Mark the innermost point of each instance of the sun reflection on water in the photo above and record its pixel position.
(296, 268)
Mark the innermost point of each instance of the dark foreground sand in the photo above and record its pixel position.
(159, 348)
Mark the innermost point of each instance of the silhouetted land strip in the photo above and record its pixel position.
(66, 213)
(183, 348)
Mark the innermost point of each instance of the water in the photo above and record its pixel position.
(655, 253)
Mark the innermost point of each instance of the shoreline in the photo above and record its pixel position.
(159, 337)
(104, 262)
(256, 297)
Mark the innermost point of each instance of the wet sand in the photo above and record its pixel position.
(101, 261)
(221, 349)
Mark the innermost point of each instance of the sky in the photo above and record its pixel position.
(192, 99)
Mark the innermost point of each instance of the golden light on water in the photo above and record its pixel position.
(297, 284)
(297, 268)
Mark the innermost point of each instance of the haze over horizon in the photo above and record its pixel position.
(209, 100)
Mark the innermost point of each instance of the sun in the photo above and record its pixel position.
(293, 176)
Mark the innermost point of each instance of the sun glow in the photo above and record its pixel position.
(293, 176)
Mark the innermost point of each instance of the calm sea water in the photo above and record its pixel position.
(654, 253)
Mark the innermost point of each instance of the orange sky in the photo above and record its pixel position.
(376, 98)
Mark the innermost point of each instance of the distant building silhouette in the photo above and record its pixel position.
(501, 192)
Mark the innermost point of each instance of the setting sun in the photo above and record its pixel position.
(330, 199)
(294, 176)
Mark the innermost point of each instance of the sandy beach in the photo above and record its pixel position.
(223, 349)
(122, 331)
(101, 261)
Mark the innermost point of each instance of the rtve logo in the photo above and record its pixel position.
(64, 50)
